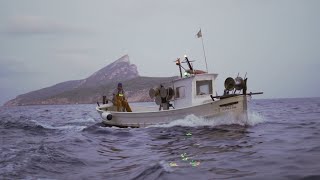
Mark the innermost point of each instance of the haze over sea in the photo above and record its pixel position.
(281, 140)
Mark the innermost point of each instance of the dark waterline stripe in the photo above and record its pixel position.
(229, 104)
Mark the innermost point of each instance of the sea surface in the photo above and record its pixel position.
(281, 140)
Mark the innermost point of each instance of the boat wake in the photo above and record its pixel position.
(194, 121)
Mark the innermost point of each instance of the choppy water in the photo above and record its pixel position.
(281, 140)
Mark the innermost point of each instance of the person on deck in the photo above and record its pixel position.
(119, 99)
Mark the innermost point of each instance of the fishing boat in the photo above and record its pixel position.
(192, 93)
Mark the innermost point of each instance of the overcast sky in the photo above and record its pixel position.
(277, 42)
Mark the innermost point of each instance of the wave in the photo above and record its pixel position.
(65, 127)
(21, 123)
(194, 121)
(25, 123)
(82, 120)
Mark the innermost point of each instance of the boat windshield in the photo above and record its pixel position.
(204, 87)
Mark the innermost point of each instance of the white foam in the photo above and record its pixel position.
(82, 120)
(66, 127)
(194, 121)
(255, 118)
(69, 127)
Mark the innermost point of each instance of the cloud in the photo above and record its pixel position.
(36, 25)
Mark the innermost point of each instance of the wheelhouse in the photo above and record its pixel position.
(194, 90)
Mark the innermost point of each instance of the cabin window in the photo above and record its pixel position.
(180, 92)
(204, 87)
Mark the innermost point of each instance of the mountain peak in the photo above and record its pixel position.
(124, 58)
(119, 70)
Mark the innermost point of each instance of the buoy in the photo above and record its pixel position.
(106, 115)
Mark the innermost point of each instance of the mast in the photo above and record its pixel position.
(199, 35)
(188, 62)
(179, 64)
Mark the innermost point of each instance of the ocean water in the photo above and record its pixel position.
(281, 140)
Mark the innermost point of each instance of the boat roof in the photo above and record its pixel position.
(196, 75)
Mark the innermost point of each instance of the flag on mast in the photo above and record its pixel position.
(199, 34)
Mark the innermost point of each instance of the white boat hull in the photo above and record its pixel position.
(235, 106)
